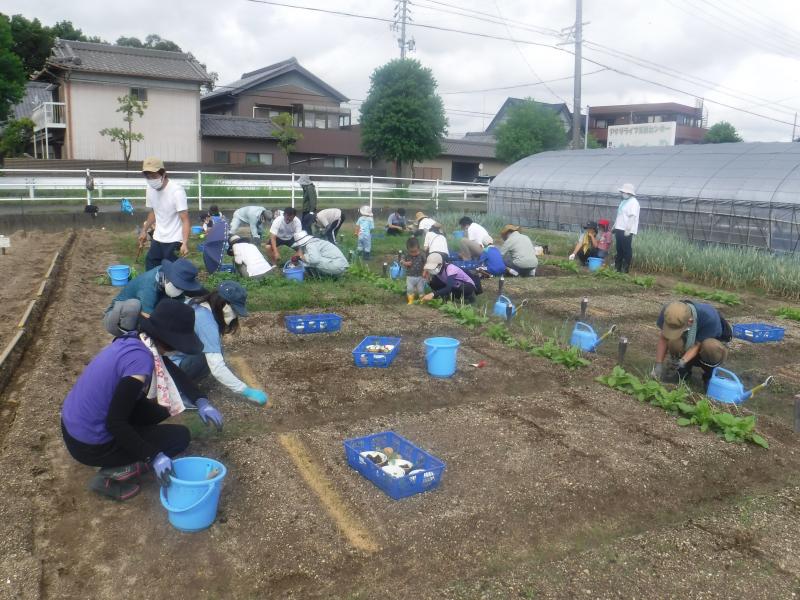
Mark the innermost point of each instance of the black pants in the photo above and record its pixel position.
(307, 220)
(332, 229)
(145, 418)
(161, 251)
(686, 372)
(624, 251)
(585, 256)
(390, 231)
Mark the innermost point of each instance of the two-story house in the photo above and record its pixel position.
(87, 78)
(689, 122)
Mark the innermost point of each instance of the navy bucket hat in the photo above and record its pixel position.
(182, 274)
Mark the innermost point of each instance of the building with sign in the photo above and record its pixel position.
(690, 121)
(641, 134)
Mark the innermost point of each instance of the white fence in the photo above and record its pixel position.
(55, 187)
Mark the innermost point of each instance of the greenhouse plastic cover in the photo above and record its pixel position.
(754, 172)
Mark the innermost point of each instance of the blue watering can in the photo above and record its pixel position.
(584, 337)
(502, 306)
(725, 386)
(396, 270)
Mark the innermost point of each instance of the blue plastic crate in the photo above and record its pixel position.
(321, 323)
(430, 468)
(758, 333)
(466, 265)
(362, 358)
(225, 269)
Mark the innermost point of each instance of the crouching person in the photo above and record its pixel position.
(694, 333)
(321, 257)
(448, 281)
(112, 416)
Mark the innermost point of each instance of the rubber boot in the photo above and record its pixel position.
(410, 298)
(366, 255)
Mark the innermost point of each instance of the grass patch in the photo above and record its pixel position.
(728, 298)
(787, 312)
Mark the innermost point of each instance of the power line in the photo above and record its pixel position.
(747, 27)
(520, 85)
(484, 17)
(770, 25)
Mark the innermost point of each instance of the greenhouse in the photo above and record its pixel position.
(744, 194)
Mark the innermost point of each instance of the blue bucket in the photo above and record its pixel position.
(119, 274)
(294, 272)
(595, 264)
(197, 229)
(457, 235)
(440, 354)
(193, 494)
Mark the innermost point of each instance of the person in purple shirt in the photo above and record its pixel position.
(107, 419)
(447, 281)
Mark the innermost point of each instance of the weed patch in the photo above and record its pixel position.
(728, 298)
(787, 312)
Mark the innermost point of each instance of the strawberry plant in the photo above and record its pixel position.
(645, 281)
(703, 413)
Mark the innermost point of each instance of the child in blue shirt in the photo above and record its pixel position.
(492, 261)
(364, 227)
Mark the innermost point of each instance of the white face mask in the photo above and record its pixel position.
(156, 183)
(228, 314)
(172, 291)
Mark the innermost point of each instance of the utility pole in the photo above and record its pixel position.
(576, 99)
(794, 127)
(402, 17)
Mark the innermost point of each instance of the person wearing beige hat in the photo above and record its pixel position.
(425, 223)
(169, 211)
(518, 252)
(626, 225)
(448, 281)
(694, 333)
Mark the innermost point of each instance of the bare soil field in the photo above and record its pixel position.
(555, 486)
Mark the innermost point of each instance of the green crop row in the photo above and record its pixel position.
(728, 298)
(645, 281)
(702, 413)
(787, 312)
(568, 357)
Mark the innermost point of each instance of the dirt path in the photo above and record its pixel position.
(22, 268)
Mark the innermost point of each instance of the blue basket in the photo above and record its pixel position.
(758, 333)
(466, 265)
(362, 358)
(430, 468)
(225, 269)
(321, 323)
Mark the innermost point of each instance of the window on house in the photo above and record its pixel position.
(654, 119)
(138, 93)
(431, 173)
(308, 119)
(336, 162)
(257, 158)
(601, 124)
(344, 120)
(321, 122)
(222, 157)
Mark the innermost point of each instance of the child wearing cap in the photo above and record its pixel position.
(364, 227)
(603, 239)
(217, 314)
(414, 263)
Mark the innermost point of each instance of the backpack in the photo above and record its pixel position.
(126, 206)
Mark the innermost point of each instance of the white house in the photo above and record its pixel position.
(86, 80)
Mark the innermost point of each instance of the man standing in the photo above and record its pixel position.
(625, 227)
(170, 213)
(309, 202)
(282, 232)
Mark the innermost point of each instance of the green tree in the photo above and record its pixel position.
(12, 71)
(32, 42)
(130, 108)
(65, 30)
(17, 133)
(530, 128)
(285, 133)
(152, 41)
(720, 133)
(593, 144)
(402, 119)
(130, 42)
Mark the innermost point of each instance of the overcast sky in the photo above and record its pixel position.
(747, 51)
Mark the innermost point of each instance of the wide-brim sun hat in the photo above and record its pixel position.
(420, 215)
(235, 295)
(508, 229)
(304, 180)
(172, 324)
(301, 238)
(182, 274)
(434, 263)
(627, 188)
(365, 211)
(676, 320)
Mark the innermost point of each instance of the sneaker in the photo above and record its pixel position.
(125, 472)
(116, 490)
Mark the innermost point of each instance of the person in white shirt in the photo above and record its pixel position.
(475, 239)
(626, 226)
(425, 223)
(282, 231)
(330, 221)
(169, 212)
(436, 243)
(247, 259)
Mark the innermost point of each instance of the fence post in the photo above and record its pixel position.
(199, 190)
(99, 190)
(32, 191)
(370, 190)
(436, 195)
(465, 194)
(292, 190)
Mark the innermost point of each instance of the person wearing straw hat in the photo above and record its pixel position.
(626, 225)
(447, 281)
(364, 227)
(256, 217)
(169, 211)
(518, 252)
(693, 332)
(112, 417)
(309, 202)
(217, 314)
(320, 256)
(425, 223)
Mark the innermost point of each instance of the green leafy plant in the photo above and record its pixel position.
(463, 314)
(720, 296)
(361, 271)
(787, 312)
(567, 265)
(569, 357)
(703, 413)
(499, 332)
(645, 281)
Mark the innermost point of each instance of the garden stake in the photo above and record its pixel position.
(584, 306)
(797, 414)
(500, 284)
(509, 312)
(623, 347)
(385, 268)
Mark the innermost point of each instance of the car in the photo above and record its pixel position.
(483, 179)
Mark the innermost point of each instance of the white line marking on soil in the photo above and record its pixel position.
(24, 320)
(358, 537)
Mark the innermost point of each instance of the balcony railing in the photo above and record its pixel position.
(49, 115)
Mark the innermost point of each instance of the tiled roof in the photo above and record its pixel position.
(120, 60)
(468, 148)
(512, 102)
(253, 78)
(235, 127)
(36, 92)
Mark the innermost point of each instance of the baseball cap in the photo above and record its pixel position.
(152, 164)
(676, 320)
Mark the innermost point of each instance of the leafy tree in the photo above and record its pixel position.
(16, 135)
(530, 128)
(130, 42)
(12, 71)
(593, 144)
(67, 31)
(402, 118)
(720, 133)
(285, 133)
(130, 108)
(152, 41)
(32, 42)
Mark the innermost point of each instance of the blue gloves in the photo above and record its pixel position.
(255, 395)
(206, 412)
(162, 465)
